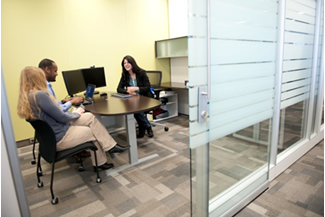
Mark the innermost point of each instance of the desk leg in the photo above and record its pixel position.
(132, 138)
(133, 152)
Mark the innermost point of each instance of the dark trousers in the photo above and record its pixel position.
(142, 121)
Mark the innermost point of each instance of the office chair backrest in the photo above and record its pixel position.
(154, 78)
(46, 138)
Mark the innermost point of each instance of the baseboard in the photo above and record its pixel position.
(23, 143)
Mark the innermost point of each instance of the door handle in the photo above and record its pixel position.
(203, 115)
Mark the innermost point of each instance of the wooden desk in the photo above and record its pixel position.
(113, 106)
(173, 85)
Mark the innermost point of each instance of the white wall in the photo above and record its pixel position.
(178, 14)
(178, 27)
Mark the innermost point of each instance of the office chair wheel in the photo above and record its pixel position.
(40, 173)
(33, 162)
(99, 180)
(81, 169)
(166, 129)
(55, 200)
(40, 184)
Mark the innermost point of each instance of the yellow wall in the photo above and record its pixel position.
(77, 34)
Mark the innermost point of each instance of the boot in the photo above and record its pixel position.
(117, 149)
(150, 132)
(141, 133)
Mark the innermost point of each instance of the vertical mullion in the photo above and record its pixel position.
(278, 85)
(314, 70)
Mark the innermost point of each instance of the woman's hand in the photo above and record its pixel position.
(132, 90)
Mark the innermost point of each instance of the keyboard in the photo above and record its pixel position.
(121, 95)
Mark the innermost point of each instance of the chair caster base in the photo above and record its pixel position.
(40, 184)
(81, 169)
(166, 129)
(33, 162)
(99, 180)
(55, 201)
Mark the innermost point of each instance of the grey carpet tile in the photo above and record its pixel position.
(298, 191)
(161, 186)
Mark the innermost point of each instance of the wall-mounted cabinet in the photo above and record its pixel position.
(173, 47)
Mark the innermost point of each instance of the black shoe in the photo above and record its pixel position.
(141, 133)
(105, 166)
(150, 132)
(117, 149)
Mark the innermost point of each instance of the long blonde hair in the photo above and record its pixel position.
(31, 79)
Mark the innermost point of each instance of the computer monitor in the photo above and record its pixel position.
(94, 76)
(74, 81)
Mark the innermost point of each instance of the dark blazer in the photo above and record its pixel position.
(142, 82)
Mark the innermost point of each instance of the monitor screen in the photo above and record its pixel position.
(94, 76)
(74, 81)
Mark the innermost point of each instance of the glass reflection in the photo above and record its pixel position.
(291, 125)
(236, 156)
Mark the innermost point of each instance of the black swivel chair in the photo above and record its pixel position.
(47, 150)
(34, 158)
(155, 82)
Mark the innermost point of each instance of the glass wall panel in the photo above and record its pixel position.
(297, 71)
(317, 112)
(243, 61)
(234, 65)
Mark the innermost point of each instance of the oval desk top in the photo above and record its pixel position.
(109, 105)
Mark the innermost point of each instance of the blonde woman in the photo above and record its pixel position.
(70, 128)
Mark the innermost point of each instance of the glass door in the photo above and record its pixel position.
(232, 51)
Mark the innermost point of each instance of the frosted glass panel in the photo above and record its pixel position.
(299, 16)
(296, 64)
(232, 21)
(242, 46)
(303, 6)
(298, 38)
(198, 46)
(241, 88)
(227, 73)
(237, 125)
(297, 51)
(200, 27)
(292, 25)
(241, 51)
(295, 75)
(295, 92)
(296, 84)
(201, 76)
(244, 101)
(197, 8)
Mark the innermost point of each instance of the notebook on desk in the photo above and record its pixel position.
(121, 95)
(89, 94)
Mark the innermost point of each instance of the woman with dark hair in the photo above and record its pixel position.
(135, 81)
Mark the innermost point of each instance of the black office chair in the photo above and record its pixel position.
(155, 82)
(47, 150)
(34, 158)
